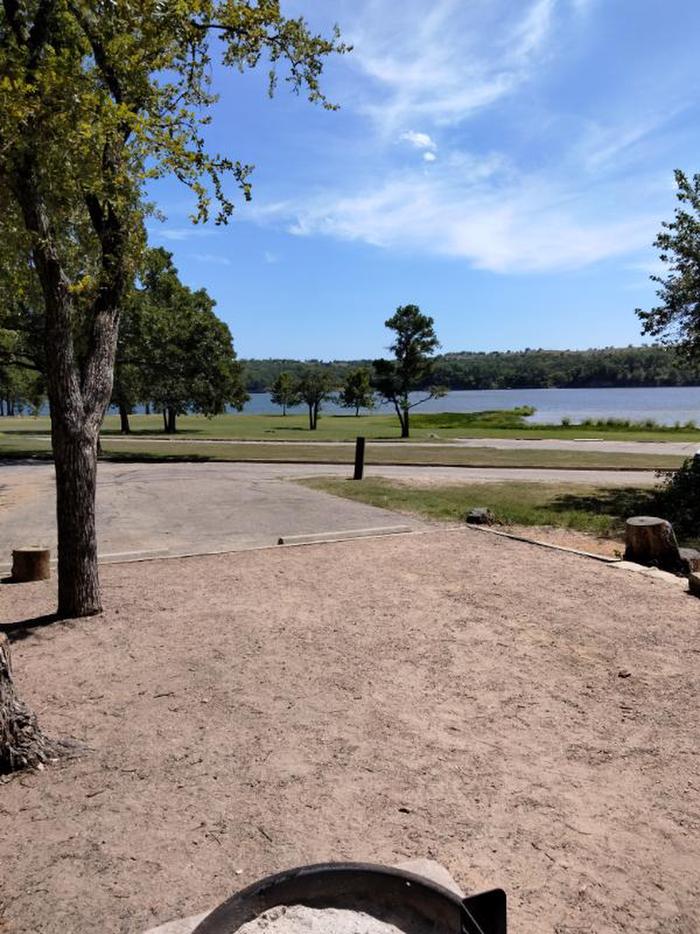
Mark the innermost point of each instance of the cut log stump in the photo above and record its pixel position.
(31, 564)
(652, 542)
(694, 584)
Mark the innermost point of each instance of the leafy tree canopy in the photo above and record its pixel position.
(413, 348)
(314, 386)
(677, 319)
(356, 392)
(284, 391)
(175, 350)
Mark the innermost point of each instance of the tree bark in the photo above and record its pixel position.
(75, 457)
(124, 425)
(22, 743)
(170, 419)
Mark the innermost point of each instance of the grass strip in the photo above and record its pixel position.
(140, 450)
(598, 511)
(508, 423)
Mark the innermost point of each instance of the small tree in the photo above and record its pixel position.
(284, 392)
(677, 319)
(413, 347)
(357, 392)
(314, 387)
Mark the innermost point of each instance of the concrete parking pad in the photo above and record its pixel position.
(164, 509)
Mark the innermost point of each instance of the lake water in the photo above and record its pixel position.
(665, 405)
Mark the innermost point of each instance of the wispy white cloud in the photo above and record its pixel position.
(455, 58)
(419, 140)
(270, 257)
(560, 193)
(520, 225)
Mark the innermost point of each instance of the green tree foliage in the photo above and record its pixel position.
(413, 349)
(97, 98)
(314, 386)
(679, 498)
(356, 392)
(284, 392)
(181, 355)
(677, 319)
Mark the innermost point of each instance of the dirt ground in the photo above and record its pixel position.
(527, 718)
(569, 538)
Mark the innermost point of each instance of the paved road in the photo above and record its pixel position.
(682, 448)
(179, 508)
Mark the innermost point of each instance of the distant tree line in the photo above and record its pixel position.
(522, 369)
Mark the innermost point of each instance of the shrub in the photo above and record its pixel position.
(680, 498)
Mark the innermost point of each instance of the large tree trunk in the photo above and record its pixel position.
(75, 457)
(170, 419)
(124, 425)
(22, 743)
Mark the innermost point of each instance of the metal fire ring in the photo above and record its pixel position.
(390, 894)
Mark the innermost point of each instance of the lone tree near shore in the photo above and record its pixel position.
(96, 99)
(356, 392)
(284, 391)
(413, 349)
(314, 387)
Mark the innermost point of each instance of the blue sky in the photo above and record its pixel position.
(505, 164)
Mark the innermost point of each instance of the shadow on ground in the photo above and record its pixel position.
(24, 628)
(621, 502)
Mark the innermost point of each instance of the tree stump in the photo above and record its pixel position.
(651, 541)
(694, 584)
(22, 743)
(31, 564)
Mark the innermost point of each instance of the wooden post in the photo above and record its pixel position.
(31, 564)
(359, 458)
(651, 541)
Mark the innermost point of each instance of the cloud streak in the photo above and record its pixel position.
(521, 225)
(563, 194)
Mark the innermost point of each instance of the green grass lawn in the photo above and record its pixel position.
(14, 445)
(598, 511)
(424, 427)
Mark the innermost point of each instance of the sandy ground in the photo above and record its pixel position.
(526, 717)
